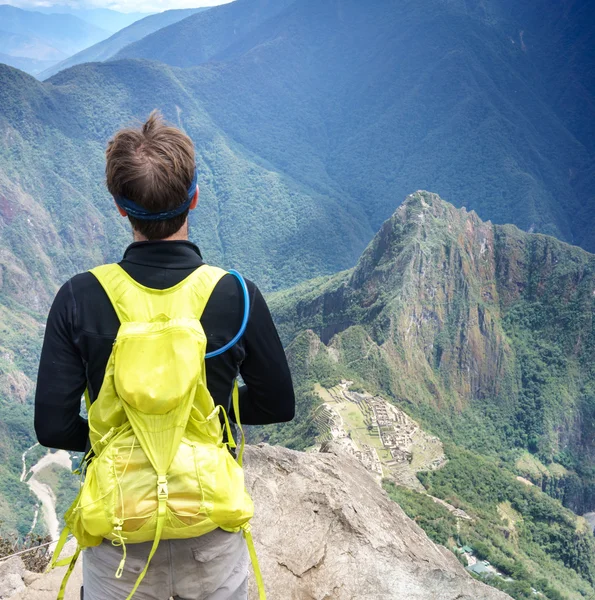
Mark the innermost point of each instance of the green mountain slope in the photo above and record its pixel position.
(105, 49)
(484, 332)
(485, 335)
(400, 96)
(251, 215)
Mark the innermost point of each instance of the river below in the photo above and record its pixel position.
(42, 491)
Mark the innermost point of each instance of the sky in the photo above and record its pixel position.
(120, 5)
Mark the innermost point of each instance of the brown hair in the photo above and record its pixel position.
(153, 166)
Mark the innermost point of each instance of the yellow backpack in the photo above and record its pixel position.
(160, 468)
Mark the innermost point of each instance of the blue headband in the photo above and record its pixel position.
(140, 212)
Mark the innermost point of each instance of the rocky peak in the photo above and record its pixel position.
(424, 228)
(451, 312)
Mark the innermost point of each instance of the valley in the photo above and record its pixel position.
(44, 492)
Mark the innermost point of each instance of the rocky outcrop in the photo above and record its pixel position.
(325, 530)
(12, 573)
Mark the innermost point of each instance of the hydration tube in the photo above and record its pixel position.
(240, 333)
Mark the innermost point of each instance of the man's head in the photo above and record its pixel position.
(153, 169)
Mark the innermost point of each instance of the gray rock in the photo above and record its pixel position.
(12, 572)
(324, 529)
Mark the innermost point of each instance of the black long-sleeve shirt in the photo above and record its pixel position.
(82, 326)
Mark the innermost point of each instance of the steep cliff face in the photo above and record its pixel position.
(466, 322)
(325, 529)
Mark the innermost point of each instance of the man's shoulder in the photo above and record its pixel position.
(82, 283)
(230, 286)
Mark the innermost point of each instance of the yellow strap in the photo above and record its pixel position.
(162, 487)
(58, 550)
(246, 528)
(236, 410)
(87, 400)
(255, 566)
(71, 563)
(220, 409)
(123, 291)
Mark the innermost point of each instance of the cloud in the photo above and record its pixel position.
(125, 6)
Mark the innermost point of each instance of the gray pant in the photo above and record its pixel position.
(211, 567)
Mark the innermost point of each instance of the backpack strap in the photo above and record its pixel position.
(161, 516)
(126, 294)
(236, 412)
(69, 562)
(255, 566)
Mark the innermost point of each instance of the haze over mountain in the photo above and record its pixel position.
(33, 39)
(29, 65)
(104, 18)
(204, 36)
(105, 49)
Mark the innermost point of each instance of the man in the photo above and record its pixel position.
(151, 175)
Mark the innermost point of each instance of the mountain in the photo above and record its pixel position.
(404, 95)
(105, 49)
(21, 45)
(104, 18)
(32, 35)
(486, 327)
(29, 65)
(203, 36)
(323, 528)
(312, 121)
(485, 335)
(66, 33)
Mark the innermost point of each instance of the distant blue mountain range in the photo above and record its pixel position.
(34, 39)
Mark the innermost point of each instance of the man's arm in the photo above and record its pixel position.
(268, 395)
(61, 380)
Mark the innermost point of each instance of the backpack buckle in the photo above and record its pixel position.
(162, 492)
